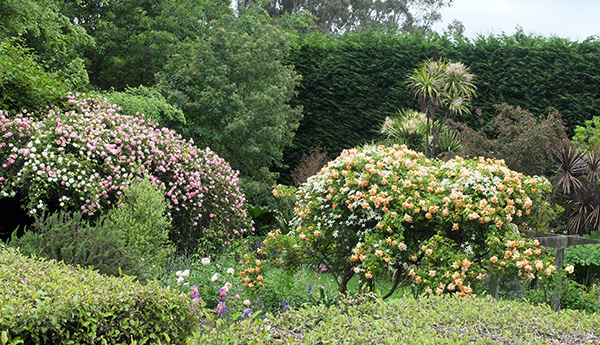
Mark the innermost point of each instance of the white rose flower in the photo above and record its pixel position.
(570, 269)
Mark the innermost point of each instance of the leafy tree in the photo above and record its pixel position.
(24, 83)
(57, 43)
(234, 90)
(525, 142)
(149, 102)
(136, 37)
(441, 86)
(576, 182)
(340, 16)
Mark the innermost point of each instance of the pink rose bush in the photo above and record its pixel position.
(385, 209)
(86, 156)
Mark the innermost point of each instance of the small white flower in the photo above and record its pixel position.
(205, 261)
(215, 277)
(185, 273)
(178, 273)
(179, 280)
(570, 269)
(230, 270)
(228, 285)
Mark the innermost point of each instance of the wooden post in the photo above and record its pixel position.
(560, 242)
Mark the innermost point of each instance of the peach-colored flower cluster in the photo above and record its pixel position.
(372, 206)
(442, 268)
(518, 257)
(251, 274)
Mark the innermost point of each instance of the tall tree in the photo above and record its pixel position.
(338, 16)
(442, 89)
(234, 90)
(40, 26)
(136, 37)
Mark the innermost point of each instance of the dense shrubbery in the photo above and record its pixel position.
(45, 302)
(24, 84)
(525, 142)
(351, 83)
(432, 320)
(381, 208)
(71, 239)
(85, 156)
(148, 102)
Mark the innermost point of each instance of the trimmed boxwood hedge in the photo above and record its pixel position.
(48, 302)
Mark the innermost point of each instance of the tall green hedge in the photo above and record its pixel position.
(349, 85)
(352, 82)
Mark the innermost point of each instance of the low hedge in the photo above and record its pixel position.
(49, 302)
(431, 320)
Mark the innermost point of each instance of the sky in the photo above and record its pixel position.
(572, 19)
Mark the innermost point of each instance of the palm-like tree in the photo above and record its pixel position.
(439, 85)
(577, 181)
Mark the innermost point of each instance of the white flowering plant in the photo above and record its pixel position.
(374, 209)
(84, 157)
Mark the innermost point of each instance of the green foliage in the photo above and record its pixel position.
(135, 38)
(430, 321)
(234, 91)
(585, 258)
(442, 89)
(409, 127)
(149, 102)
(41, 26)
(525, 142)
(343, 16)
(24, 84)
(574, 296)
(68, 237)
(587, 136)
(45, 302)
(351, 83)
(140, 220)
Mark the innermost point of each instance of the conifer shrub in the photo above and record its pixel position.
(68, 237)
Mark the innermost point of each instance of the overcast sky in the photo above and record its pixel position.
(572, 19)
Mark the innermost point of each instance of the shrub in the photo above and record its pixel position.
(383, 208)
(45, 302)
(150, 103)
(86, 156)
(523, 141)
(68, 237)
(24, 84)
(427, 321)
(140, 220)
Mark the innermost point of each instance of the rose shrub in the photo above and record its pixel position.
(85, 156)
(377, 209)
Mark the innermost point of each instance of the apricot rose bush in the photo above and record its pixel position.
(378, 209)
(84, 157)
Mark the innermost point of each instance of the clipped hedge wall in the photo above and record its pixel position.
(351, 83)
(48, 302)
(425, 321)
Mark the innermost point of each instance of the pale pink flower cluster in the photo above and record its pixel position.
(85, 157)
